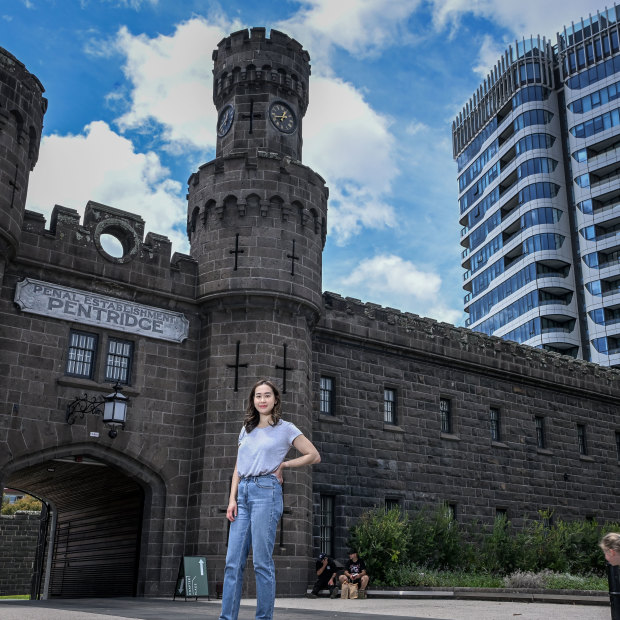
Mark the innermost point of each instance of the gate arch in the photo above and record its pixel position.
(108, 515)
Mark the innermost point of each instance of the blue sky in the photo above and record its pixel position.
(131, 116)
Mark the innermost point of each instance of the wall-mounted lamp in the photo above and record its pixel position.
(112, 408)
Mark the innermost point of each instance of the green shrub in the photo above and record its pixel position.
(499, 552)
(430, 548)
(380, 537)
(25, 503)
(437, 541)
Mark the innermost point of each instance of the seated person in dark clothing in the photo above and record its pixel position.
(355, 572)
(325, 576)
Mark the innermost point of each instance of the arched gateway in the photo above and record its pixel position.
(104, 511)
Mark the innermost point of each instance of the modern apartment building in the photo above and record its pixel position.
(538, 154)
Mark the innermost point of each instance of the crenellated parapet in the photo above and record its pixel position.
(249, 57)
(409, 335)
(258, 225)
(108, 244)
(22, 107)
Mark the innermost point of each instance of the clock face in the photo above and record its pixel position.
(282, 117)
(225, 120)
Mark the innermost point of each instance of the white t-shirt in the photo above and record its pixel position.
(262, 450)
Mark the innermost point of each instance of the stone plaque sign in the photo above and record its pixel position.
(70, 304)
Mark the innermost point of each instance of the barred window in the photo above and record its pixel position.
(581, 439)
(81, 355)
(327, 525)
(540, 432)
(446, 415)
(118, 361)
(389, 406)
(494, 421)
(327, 395)
(391, 503)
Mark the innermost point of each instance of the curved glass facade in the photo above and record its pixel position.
(538, 153)
(596, 125)
(595, 99)
(529, 167)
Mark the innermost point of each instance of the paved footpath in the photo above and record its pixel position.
(298, 609)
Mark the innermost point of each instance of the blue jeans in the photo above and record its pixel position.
(259, 508)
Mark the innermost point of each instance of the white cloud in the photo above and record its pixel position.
(416, 127)
(490, 52)
(406, 286)
(350, 143)
(100, 165)
(171, 82)
(362, 27)
(346, 137)
(521, 19)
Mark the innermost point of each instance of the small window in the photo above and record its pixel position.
(389, 406)
(540, 432)
(451, 512)
(391, 503)
(81, 355)
(327, 525)
(501, 513)
(581, 439)
(327, 396)
(618, 445)
(118, 361)
(446, 415)
(494, 421)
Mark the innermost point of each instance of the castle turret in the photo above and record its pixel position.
(257, 225)
(22, 107)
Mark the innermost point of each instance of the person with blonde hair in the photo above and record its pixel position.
(255, 503)
(610, 544)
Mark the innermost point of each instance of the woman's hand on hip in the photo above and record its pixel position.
(278, 473)
(231, 511)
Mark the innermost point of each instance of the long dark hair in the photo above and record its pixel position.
(252, 417)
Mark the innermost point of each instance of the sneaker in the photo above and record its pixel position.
(361, 594)
(311, 595)
(334, 593)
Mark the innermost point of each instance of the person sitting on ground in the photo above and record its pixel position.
(610, 544)
(325, 577)
(355, 572)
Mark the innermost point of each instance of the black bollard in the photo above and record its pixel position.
(613, 576)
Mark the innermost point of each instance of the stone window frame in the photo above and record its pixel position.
(74, 346)
(582, 440)
(327, 523)
(541, 438)
(446, 417)
(390, 406)
(111, 377)
(500, 511)
(392, 502)
(327, 404)
(451, 510)
(495, 417)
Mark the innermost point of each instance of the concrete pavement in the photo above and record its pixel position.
(299, 609)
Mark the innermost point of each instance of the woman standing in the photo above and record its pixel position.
(255, 503)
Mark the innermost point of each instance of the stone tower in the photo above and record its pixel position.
(22, 107)
(257, 225)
